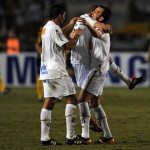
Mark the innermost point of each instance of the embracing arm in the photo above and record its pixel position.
(67, 29)
(74, 36)
(107, 28)
(97, 33)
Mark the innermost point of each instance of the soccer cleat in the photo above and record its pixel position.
(135, 81)
(84, 140)
(103, 140)
(94, 127)
(78, 141)
(72, 141)
(50, 142)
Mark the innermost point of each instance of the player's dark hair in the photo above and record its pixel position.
(92, 8)
(56, 10)
(106, 13)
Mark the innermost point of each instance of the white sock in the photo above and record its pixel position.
(45, 124)
(102, 120)
(70, 120)
(85, 119)
(115, 70)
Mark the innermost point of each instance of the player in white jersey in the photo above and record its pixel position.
(81, 61)
(80, 58)
(56, 81)
(80, 55)
(94, 85)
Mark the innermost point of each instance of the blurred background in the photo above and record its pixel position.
(130, 20)
(129, 43)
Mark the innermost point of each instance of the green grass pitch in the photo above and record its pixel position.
(128, 115)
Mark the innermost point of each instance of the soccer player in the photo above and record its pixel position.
(38, 47)
(56, 81)
(3, 88)
(81, 63)
(80, 59)
(93, 86)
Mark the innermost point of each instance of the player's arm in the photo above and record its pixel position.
(67, 29)
(74, 36)
(107, 28)
(60, 39)
(100, 26)
(97, 33)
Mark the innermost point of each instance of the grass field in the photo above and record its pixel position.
(128, 115)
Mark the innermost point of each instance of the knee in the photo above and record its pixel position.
(72, 100)
(49, 103)
(94, 102)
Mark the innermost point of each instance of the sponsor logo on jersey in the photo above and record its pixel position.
(44, 69)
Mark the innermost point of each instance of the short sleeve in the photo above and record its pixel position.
(90, 21)
(58, 36)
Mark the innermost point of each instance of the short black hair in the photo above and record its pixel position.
(106, 13)
(92, 8)
(56, 10)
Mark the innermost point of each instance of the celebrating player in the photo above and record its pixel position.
(81, 62)
(56, 81)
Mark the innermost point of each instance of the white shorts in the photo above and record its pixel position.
(81, 73)
(59, 87)
(95, 83)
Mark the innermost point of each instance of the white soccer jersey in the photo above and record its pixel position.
(88, 19)
(52, 56)
(99, 65)
(100, 52)
(81, 53)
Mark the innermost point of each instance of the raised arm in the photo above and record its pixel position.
(68, 28)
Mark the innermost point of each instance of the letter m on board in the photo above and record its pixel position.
(21, 72)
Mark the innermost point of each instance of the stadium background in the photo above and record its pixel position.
(127, 111)
(129, 43)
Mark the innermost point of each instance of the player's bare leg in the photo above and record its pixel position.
(93, 123)
(94, 126)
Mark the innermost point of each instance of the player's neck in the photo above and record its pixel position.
(56, 21)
